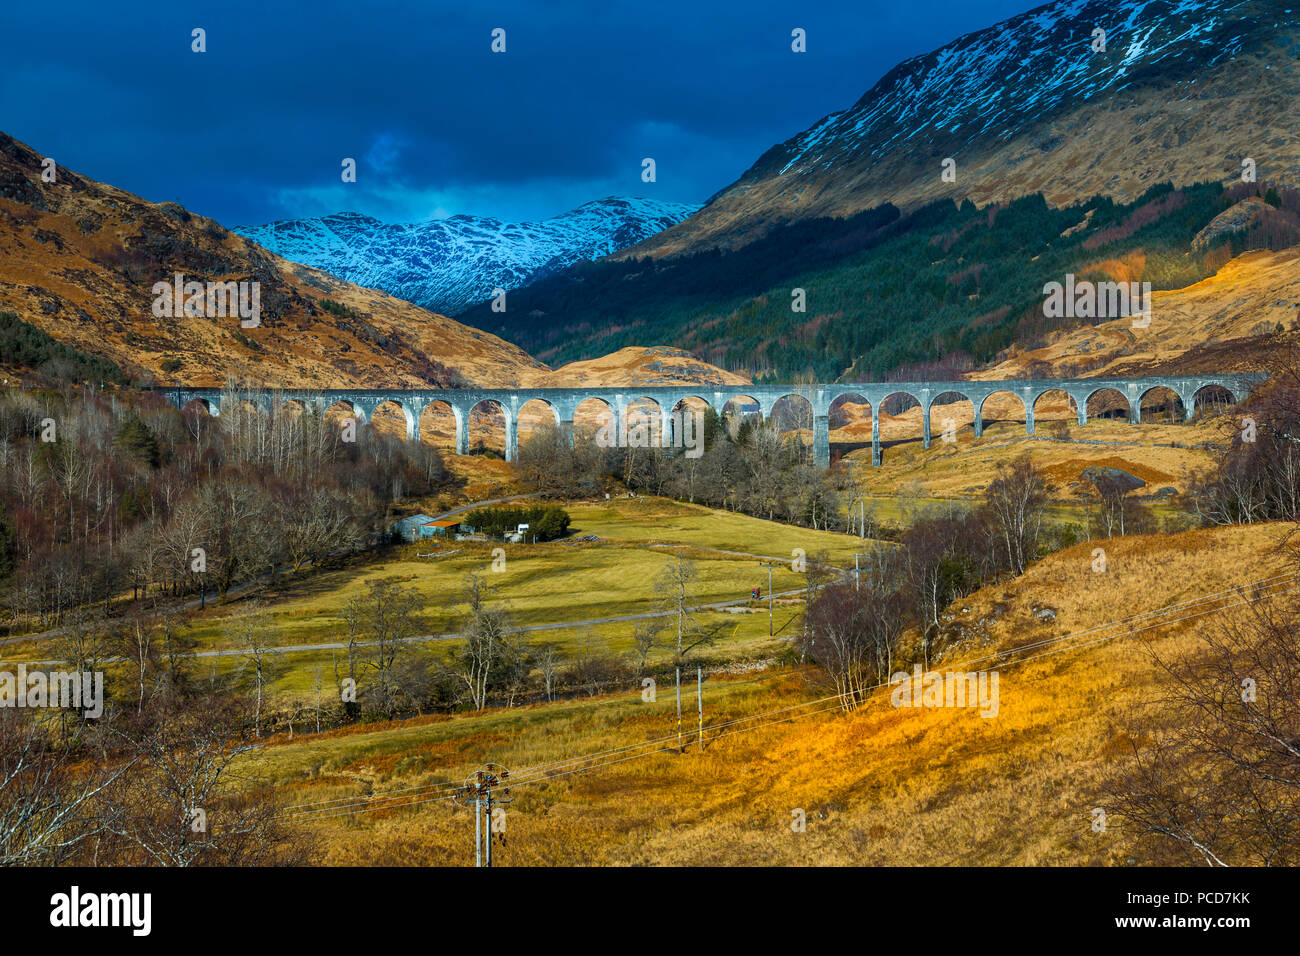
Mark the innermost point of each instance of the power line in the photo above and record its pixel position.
(554, 768)
(324, 806)
(1012, 651)
(1264, 588)
(838, 698)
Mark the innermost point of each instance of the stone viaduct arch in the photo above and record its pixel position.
(564, 401)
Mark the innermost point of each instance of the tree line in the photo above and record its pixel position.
(745, 466)
(854, 630)
(545, 522)
(108, 497)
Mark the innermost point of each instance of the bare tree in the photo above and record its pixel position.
(392, 616)
(239, 537)
(320, 687)
(1016, 500)
(593, 668)
(485, 632)
(558, 464)
(314, 523)
(1214, 771)
(48, 797)
(353, 616)
(548, 660)
(837, 638)
(1117, 512)
(817, 573)
(251, 628)
(852, 635)
(185, 804)
(672, 588)
(140, 652)
(645, 638)
(377, 623)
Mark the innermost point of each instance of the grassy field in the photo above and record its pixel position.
(913, 479)
(545, 587)
(660, 521)
(878, 786)
(560, 582)
(967, 465)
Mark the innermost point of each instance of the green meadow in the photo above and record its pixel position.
(561, 592)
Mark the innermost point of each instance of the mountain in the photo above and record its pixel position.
(844, 253)
(1184, 91)
(940, 289)
(449, 264)
(79, 260)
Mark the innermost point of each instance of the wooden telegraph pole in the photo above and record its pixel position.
(857, 573)
(679, 708)
(484, 789)
(699, 696)
(770, 566)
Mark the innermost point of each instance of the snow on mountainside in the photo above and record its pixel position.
(446, 265)
(990, 83)
(1184, 90)
(79, 259)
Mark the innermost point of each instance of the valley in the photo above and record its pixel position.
(920, 488)
(909, 787)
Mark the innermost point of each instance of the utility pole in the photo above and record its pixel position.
(857, 573)
(484, 789)
(770, 565)
(699, 696)
(679, 708)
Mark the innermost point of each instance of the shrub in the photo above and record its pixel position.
(545, 523)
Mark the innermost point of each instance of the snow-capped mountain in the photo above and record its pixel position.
(1183, 90)
(446, 265)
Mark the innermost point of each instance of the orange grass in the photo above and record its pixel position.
(878, 786)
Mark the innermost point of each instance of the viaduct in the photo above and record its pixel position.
(563, 402)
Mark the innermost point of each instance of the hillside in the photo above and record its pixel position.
(1122, 164)
(78, 260)
(640, 366)
(1182, 93)
(1225, 323)
(934, 292)
(879, 786)
(449, 264)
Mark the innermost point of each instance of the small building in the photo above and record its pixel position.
(446, 526)
(409, 529)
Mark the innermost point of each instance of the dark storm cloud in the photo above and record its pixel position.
(256, 128)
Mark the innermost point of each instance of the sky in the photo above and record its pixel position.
(256, 128)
